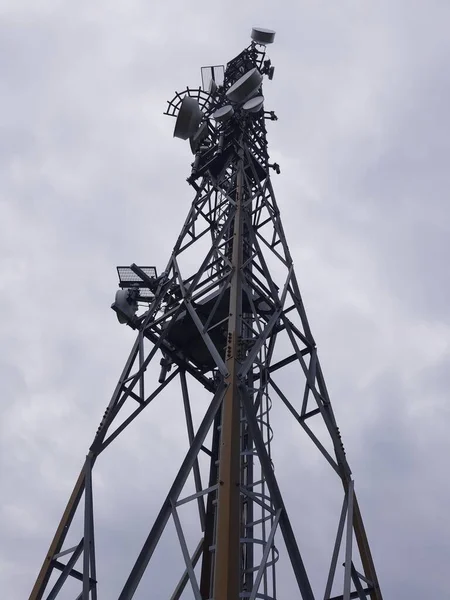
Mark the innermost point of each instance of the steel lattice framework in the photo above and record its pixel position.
(233, 321)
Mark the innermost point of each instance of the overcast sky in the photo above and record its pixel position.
(90, 177)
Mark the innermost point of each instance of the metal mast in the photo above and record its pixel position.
(233, 323)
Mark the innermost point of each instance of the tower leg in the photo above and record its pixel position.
(227, 558)
(58, 539)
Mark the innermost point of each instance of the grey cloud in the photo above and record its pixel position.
(91, 178)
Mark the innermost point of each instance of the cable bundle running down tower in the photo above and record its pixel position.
(233, 322)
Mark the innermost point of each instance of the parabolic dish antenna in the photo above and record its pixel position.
(188, 119)
(223, 114)
(254, 104)
(245, 87)
(262, 36)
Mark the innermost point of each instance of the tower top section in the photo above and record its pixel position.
(229, 104)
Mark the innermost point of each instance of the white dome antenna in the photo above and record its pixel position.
(125, 305)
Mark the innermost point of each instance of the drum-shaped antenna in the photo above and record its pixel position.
(245, 87)
(188, 119)
(262, 36)
(254, 105)
(223, 114)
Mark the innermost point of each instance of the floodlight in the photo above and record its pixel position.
(188, 119)
(142, 279)
(245, 87)
(128, 277)
(263, 36)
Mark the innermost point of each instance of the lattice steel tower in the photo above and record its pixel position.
(231, 318)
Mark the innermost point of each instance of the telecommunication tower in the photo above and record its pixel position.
(233, 322)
